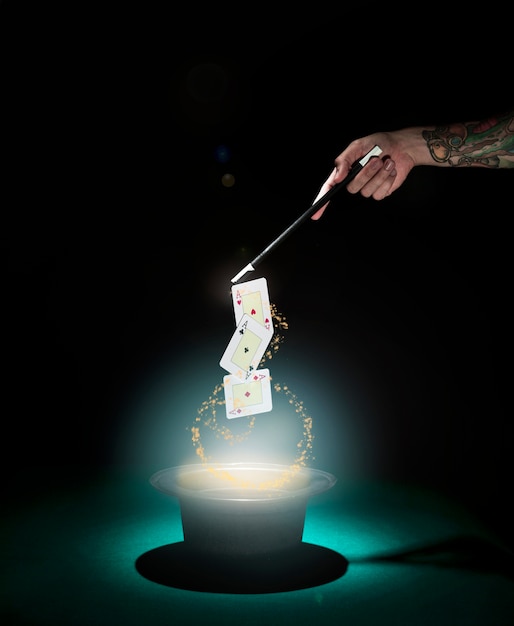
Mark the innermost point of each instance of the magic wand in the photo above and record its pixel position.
(356, 168)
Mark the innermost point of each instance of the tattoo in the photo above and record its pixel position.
(489, 143)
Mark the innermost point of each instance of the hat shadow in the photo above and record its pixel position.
(307, 565)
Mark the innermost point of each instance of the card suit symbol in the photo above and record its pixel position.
(247, 394)
(239, 301)
(246, 350)
(253, 311)
(266, 321)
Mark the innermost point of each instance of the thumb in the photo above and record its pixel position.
(327, 185)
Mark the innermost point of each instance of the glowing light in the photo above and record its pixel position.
(228, 180)
(222, 154)
(208, 412)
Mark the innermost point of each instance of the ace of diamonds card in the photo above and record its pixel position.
(249, 397)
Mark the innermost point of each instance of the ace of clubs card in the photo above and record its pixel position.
(246, 348)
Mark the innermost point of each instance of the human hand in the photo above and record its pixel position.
(381, 176)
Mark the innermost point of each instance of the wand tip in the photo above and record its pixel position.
(237, 277)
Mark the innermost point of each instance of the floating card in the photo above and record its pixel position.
(249, 397)
(252, 298)
(246, 348)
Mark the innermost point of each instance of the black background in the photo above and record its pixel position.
(114, 218)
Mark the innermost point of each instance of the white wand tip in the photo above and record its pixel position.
(248, 268)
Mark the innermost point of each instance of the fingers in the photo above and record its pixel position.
(375, 180)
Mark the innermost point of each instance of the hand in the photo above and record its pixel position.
(381, 175)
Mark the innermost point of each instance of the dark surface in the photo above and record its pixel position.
(112, 552)
(119, 240)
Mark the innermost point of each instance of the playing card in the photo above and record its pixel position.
(243, 398)
(252, 298)
(246, 348)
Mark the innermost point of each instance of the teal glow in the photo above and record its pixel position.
(72, 560)
(162, 409)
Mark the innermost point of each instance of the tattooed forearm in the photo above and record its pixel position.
(489, 143)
